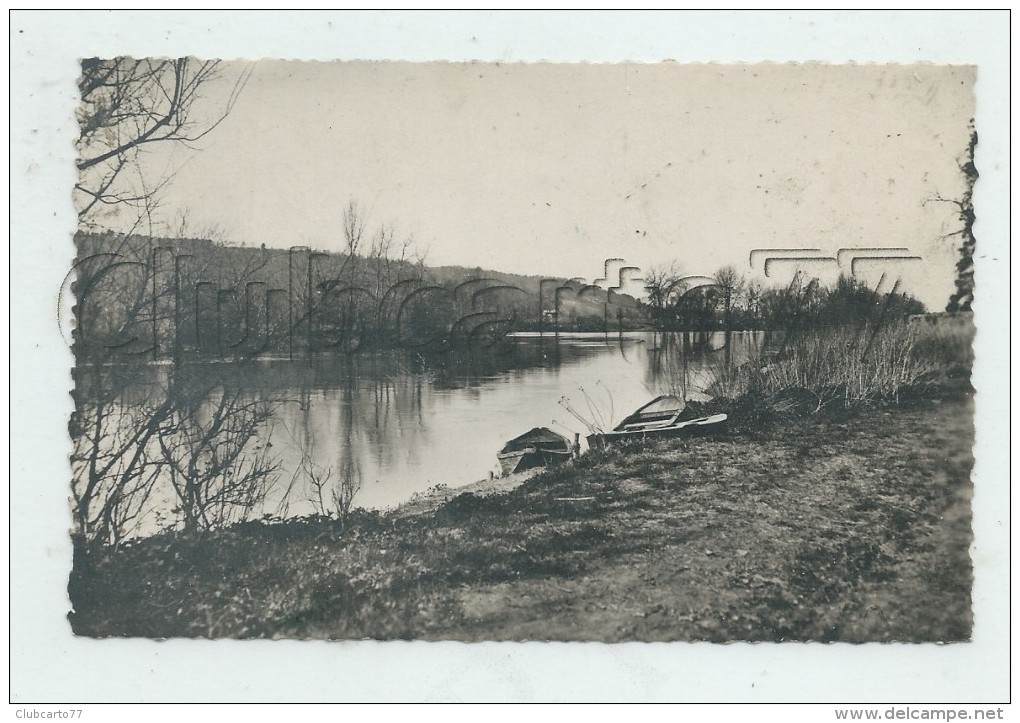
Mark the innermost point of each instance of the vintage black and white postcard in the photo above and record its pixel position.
(521, 351)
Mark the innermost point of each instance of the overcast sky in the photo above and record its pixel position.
(549, 169)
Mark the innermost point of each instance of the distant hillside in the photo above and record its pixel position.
(590, 300)
(323, 296)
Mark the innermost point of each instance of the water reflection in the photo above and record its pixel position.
(397, 423)
(404, 425)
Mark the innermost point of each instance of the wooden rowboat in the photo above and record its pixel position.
(660, 418)
(538, 447)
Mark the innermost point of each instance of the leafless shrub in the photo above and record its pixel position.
(318, 481)
(345, 490)
(330, 491)
(215, 462)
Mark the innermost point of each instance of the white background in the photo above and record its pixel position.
(49, 665)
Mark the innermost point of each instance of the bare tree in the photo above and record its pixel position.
(357, 290)
(330, 491)
(664, 285)
(113, 477)
(730, 284)
(125, 407)
(353, 226)
(119, 404)
(129, 105)
(125, 410)
(752, 298)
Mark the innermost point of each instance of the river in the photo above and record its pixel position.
(400, 432)
(397, 423)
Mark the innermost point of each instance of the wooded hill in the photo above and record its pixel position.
(195, 296)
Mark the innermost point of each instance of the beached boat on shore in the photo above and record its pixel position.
(660, 418)
(538, 447)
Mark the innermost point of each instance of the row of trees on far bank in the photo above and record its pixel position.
(729, 300)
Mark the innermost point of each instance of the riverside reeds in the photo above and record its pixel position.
(850, 366)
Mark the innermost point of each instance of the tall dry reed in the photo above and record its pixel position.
(849, 366)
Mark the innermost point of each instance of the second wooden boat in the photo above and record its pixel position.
(660, 418)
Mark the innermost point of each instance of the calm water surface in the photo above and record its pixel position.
(400, 423)
(402, 431)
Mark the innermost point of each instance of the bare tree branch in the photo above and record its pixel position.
(128, 104)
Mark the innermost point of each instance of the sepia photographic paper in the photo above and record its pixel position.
(518, 351)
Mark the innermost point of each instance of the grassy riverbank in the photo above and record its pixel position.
(852, 528)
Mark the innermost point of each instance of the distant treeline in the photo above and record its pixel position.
(155, 298)
(730, 301)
